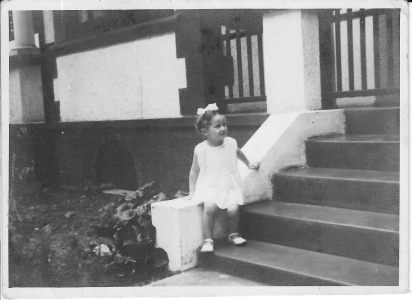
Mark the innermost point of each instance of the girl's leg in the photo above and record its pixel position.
(233, 221)
(208, 220)
(233, 224)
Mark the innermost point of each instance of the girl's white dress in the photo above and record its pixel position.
(219, 180)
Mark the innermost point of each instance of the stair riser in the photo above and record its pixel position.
(271, 276)
(362, 156)
(362, 195)
(359, 243)
(372, 121)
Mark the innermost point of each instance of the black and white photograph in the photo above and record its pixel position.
(174, 148)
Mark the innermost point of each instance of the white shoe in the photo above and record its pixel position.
(207, 246)
(236, 239)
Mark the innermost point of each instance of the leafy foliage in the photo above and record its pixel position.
(126, 236)
(68, 238)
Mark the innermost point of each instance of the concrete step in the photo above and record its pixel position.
(372, 120)
(353, 189)
(280, 265)
(366, 152)
(204, 277)
(356, 234)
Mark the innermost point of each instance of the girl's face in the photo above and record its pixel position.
(217, 129)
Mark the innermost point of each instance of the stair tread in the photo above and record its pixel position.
(326, 214)
(373, 108)
(343, 174)
(333, 268)
(357, 138)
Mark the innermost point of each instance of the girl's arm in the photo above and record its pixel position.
(194, 173)
(244, 159)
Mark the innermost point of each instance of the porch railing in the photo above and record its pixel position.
(359, 53)
(245, 48)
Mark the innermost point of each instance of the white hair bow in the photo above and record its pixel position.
(210, 107)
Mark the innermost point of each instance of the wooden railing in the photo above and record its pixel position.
(361, 60)
(79, 24)
(245, 47)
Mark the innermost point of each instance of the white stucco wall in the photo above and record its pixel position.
(134, 80)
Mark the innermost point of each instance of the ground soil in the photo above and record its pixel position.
(49, 242)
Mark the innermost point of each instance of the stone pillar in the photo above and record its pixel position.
(23, 30)
(291, 58)
(48, 23)
(25, 81)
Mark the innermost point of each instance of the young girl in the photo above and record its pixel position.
(214, 177)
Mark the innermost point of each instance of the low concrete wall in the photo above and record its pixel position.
(278, 143)
(159, 150)
(179, 231)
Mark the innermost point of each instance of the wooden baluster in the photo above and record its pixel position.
(363, 50)
(389, 36)
(261, 70)
(376, 50)
(250, 64)
(239, 63)
(350, 50)
(338, 52)
(327, 61)
(228, 54)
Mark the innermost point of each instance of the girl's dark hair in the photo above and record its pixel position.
(203, 120)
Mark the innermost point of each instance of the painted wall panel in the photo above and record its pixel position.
(134, 80)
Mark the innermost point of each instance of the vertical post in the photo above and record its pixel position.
(338, 52)
(250, 64)
(292, 56)
(327, 63)
(59, 25)
(23, 30)
(389, 40)
(239, 63)
(363, 49)
(376, 50)
(229, 56)
(188, 43)
(350, 50)
(48, 25)
(261, 67)
(26, 97)
(396, 49)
